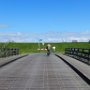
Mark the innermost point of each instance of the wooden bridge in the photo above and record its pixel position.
(41, 72)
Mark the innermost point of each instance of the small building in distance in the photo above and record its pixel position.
(74, 40)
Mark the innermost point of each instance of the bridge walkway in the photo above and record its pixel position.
(40, 72)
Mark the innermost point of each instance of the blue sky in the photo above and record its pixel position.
(44, 15)
(41, 16)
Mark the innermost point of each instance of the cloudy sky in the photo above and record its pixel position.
(45, 37)
(49, 20)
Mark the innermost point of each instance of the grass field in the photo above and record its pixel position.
(32, 47)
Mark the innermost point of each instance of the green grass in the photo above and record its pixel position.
(32, 47)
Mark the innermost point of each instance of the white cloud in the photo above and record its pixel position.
(86, 32)
(46, 37)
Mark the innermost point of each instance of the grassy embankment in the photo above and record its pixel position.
(32, 47)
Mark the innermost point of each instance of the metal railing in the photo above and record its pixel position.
(5, 52)
(79, 53)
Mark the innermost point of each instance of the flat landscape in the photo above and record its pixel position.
(33, 47)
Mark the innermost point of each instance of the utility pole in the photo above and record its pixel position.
(39, 46)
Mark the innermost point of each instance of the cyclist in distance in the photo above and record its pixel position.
(48, 47)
